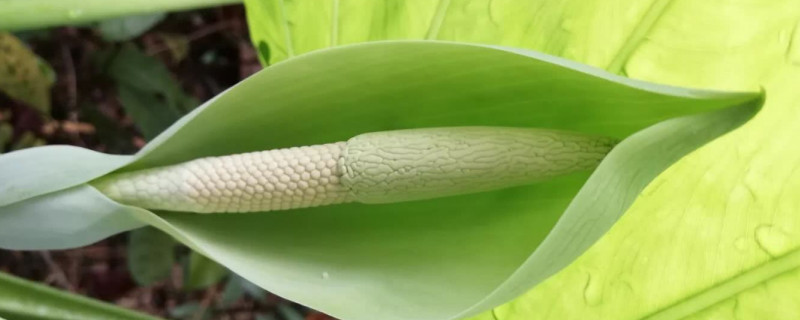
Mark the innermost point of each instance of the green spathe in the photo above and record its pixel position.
(436, 259)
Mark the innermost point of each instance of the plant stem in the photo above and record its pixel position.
(35, 14)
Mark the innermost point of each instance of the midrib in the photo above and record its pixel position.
(640, 31)
(437, 20)
(728, 288)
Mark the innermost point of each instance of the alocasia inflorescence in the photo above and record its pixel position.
(380, 167)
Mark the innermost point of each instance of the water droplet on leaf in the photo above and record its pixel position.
(772, 240)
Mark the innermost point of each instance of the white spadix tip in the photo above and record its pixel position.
(380, 167)
(278, 179)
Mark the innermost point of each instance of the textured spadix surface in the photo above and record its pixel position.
(260, 181)
(435, 259)
(377, 167)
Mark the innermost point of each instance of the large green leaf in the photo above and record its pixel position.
(25, 300)
(442, 258)
(728, 248)
(716, 236)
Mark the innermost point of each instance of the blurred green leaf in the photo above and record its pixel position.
(114, 138)
(26, 300)
(149, 111)
(6, 133)
(34, 34)
(202, 272)
(151, 255)
(34, 14)
(289, 313)
(23, 76)
(233, 291)
(253, 290)
(129, 27)
(190, 311)
(147, 90)
(266, 316)
(28, 140)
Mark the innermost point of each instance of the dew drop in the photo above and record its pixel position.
(325, 275)
(74, 13)
(772, 240)
(593, 290)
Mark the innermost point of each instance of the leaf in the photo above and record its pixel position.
(23, 172)
(126, 28)
(202, 272)
(288, 312)
(151, 254)
(253, 290)
(36, 14)
(442, 258)
(69, 218)
(147, 91)
(6, 133)
(716, 236)
(190, 310)
(233, 291)
(693, 245)
(25, 300)
(268, 316)
(23, 76)
(27, 140)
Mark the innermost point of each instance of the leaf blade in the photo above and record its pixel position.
(69, 218)
(22, 299)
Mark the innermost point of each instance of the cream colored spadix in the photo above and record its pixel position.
(379, 167)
